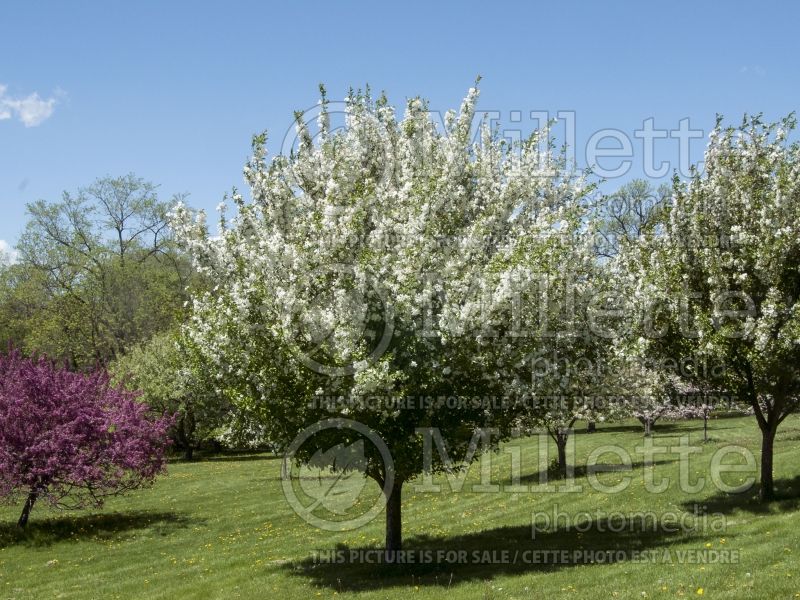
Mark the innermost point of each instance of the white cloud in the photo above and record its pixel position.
(7, 253)
(753, 70)
(31, 110)
(5, 113)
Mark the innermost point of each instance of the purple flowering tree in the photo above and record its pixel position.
(72, 439)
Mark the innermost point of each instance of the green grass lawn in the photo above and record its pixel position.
(221, 528)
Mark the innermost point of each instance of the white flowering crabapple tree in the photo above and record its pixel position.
(649, 409)
(723, 282)
(642, 387)
(367, 274)
(700, 410)
(646, 388)
(697, 401)
(564, 353)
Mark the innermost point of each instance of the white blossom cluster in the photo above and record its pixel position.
(391, 257)
(727, 266)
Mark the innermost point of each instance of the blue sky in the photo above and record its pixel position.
(173, 91)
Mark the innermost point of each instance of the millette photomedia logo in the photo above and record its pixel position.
(323, 474)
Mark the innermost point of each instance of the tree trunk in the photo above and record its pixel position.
(189, 426)
(591, 427)
(767, 491)
(184, 437)
(561, 444)
(705, 427)
(26, 510)
(648, 428)
(394, 522)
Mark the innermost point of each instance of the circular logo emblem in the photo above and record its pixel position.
(325, 491)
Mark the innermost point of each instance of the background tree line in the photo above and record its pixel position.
(99, 282)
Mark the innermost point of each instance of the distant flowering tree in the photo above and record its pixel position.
(558, 415)
(378, 262)
(654, 393)
(721, 283)
(699, 410)
(650, 410)
(563, 376)
(694, 401)
(71, 439)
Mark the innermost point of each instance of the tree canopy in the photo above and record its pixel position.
(72, 439)
(96, 273)
(721, 284)
(381, 263)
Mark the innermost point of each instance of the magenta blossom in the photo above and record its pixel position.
(71, 439)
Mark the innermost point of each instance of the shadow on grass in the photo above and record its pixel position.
(580, 471)
(483, 555)
(789, 434)
(238, 457)
(787, 498)
(46, 531)
(202, 457)
(661, 427)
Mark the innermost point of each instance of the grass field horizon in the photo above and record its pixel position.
(221, 527)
